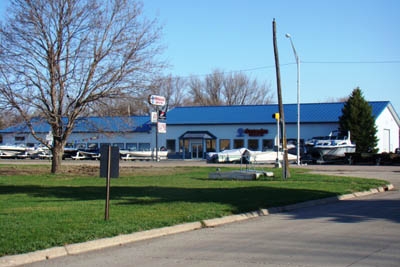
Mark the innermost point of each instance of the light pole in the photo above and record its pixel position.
(298, 97)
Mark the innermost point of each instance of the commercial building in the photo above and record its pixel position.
(193, 131)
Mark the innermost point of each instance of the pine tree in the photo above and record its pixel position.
(358, 119)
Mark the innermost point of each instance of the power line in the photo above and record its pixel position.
(352, 62)
(302, 62)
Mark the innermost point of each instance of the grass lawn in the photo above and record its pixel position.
(39, 210)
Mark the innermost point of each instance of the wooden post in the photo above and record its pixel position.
(285, 167)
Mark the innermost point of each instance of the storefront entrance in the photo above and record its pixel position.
(195, 144)
(197, 151)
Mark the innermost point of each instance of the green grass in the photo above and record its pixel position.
(41, 210)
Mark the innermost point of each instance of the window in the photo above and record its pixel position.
(131, 146)
(210, 145)
(224, 144)
(171, 145)
(267, 144)
(253, 144)
(120, 145)
(184, 146)
(144, 147)
(238, 143)
(19, 138)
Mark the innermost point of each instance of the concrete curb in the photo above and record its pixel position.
(15, 260)
(73, 249)
(129, 238)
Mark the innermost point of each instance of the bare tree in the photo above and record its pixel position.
(172, 88)
(196, 91)
(58, 57)
(213, 88)
(220, 88)
(128, 106)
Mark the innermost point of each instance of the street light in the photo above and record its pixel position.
(298, 97)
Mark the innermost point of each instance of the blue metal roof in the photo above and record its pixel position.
(255, 114)
(197, 115)
(90, 124)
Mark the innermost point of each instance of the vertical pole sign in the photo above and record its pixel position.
(109, 168)
(278, 141)
(156, 101)
(156, 158)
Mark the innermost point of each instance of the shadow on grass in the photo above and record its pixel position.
(240, 199)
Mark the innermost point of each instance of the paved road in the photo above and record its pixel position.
(388, 173)
(363, 231)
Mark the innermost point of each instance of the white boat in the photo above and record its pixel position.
(244, 155)
(266, 156)
(86, 154)
(334, 147)
(16, 151)
(143, 155)
(40, 152)
(226, 156)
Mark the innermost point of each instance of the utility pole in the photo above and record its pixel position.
(285, 167)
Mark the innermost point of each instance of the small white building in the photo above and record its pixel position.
(193, 131)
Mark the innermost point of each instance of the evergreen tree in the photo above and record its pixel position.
(358, 119)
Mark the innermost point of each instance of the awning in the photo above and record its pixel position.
(197, 135)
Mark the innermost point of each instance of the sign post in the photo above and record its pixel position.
(157, 101)
(109, 168)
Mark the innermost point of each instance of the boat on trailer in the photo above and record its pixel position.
(143, 155)
(334, 147)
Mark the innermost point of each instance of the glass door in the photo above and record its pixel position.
(197, 151)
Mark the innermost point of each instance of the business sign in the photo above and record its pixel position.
(156, 100)
(251, 132)
(153, 117)
(162, 127)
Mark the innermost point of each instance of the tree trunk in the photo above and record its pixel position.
(57, 150)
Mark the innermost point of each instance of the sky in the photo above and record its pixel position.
(342, 44)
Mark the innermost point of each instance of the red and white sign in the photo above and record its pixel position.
(156, 100)
(162, 127)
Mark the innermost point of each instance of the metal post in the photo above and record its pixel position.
(298, 108)
(298, 97)
(107, 211)
(156, 136)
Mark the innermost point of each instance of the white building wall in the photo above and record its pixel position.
(231, 132)
(388, 132)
